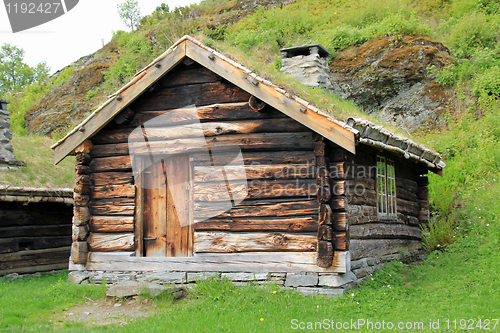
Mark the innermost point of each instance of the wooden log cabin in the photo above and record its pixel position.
(35, 229)
(316, 193)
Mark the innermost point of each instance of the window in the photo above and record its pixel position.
(386, 188)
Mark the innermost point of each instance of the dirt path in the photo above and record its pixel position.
(105, 312)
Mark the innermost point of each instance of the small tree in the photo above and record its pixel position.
(14, 73)
(130, 13)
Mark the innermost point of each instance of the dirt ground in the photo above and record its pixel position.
(105, 312)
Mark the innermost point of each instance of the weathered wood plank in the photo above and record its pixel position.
(108, 209)
(215, 112)
(256, 189)
(112, 191)
(116, 163)
(104, 224)
(361, 196)
(192, 94)
(273, 171)
(208, 129)
(226, 262)
(9, 261)
(189, 76)
(408, 207)
(36, 268)
(407, 184)
(224, 242)
(264, 158)
(112, 178)
(383, 230)
(33, 231)
(289, 224)
(257, 208)
(341, 241)
(79, 253)
(284, 141)
(80, 233)
(111, 242)
(364, 248)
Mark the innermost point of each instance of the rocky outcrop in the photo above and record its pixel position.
(67, 104)
(394, 78)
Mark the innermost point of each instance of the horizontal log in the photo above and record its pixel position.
(408, 207)
(423, 181)
(424, 216)
(34, 231)
(361, 184)
(406, 195)
(338, 203)
(337, 155)
(81, 215)
(104, 224)
(256, 103)
(82, 170)
(31, 215)
(80, 233)
(80, 200)
(221, 262)
(383, 230)
(115, 163)
(112, 178)
(187, 95)
(9, 245)
(256, 189)
(198, 130)
(407, 184)
(250, 172)
(112, 210)
(365, 248)
(34, 258)
(361, 196)
(423, 193)
(190, 76)
(284, 141)
(353, 171)
(112, 191)
(79, 253)
(36, 268)
(83, 159)
(289, 224)
(265, 158)
(325, 254)
(340, 241)
(257, 208)
(339, 221)
(104, 242)
(215, 112)
(225, 242)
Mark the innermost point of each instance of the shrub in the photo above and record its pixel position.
(471, 32)
(488, 82)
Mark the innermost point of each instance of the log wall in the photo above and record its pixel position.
(369, 234)
(34, 237)
(280, 211)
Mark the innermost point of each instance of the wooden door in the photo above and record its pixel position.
(167, 208)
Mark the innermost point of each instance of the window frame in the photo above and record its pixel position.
(386, 188)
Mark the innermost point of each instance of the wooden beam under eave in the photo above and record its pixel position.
(315, 121)
(103, 117)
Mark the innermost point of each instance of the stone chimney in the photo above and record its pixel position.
(7, 158)
(308, 64)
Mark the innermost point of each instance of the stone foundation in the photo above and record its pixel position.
(318, 284)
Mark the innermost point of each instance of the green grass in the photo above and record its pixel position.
(461, 282)
(25, 304)
(40, 170)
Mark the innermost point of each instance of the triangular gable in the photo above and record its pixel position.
(294, 107)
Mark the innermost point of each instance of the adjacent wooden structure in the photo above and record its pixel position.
(313, 192)
(35, 229)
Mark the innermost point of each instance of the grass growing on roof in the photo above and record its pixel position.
(40, 170)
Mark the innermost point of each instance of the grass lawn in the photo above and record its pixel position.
(459, 284)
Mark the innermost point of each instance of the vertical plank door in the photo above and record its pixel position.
(167, 220)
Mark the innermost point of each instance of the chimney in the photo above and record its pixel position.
(7, 158)
(308, 64)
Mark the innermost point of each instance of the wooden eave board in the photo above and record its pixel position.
(104, 116)
(315, 121)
